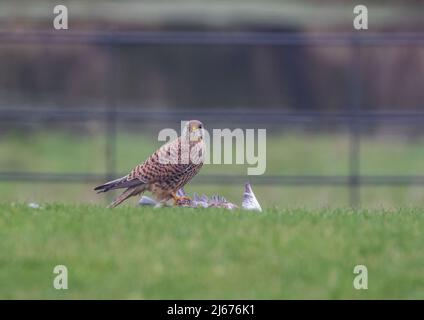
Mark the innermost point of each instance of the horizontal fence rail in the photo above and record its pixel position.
(276, 180)
(211, 38)
(265, 116)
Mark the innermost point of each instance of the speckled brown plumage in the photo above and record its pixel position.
(166, 170)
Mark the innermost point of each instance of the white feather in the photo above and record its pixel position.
(249, 200)
(146, 201)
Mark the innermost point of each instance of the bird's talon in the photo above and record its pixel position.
(179, 201)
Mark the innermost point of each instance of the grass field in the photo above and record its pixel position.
(184, 253)
(304, 245)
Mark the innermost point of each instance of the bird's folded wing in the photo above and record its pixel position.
(162, 165)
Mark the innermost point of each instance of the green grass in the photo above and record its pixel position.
(197, 254)
(290, 153)
(53, 151)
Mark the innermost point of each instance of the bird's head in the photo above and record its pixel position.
(194, 130)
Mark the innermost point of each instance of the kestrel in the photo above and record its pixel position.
(165, 171)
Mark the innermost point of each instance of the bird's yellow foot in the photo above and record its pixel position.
(181, 201)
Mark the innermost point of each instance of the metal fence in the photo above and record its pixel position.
(353, 116)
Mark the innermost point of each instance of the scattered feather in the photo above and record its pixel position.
(249, 199)
(34, 205)
(215, 201)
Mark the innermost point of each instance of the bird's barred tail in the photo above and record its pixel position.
(124, 196)
(108, 185)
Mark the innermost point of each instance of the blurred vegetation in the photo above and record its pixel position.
(171, 77)
(164, 78)
(215, 13)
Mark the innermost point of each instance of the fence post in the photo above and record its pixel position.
(111, 130)
(355, 125)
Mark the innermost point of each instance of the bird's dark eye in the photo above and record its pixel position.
(200, 126)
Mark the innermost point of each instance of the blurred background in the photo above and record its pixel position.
(343, 108)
